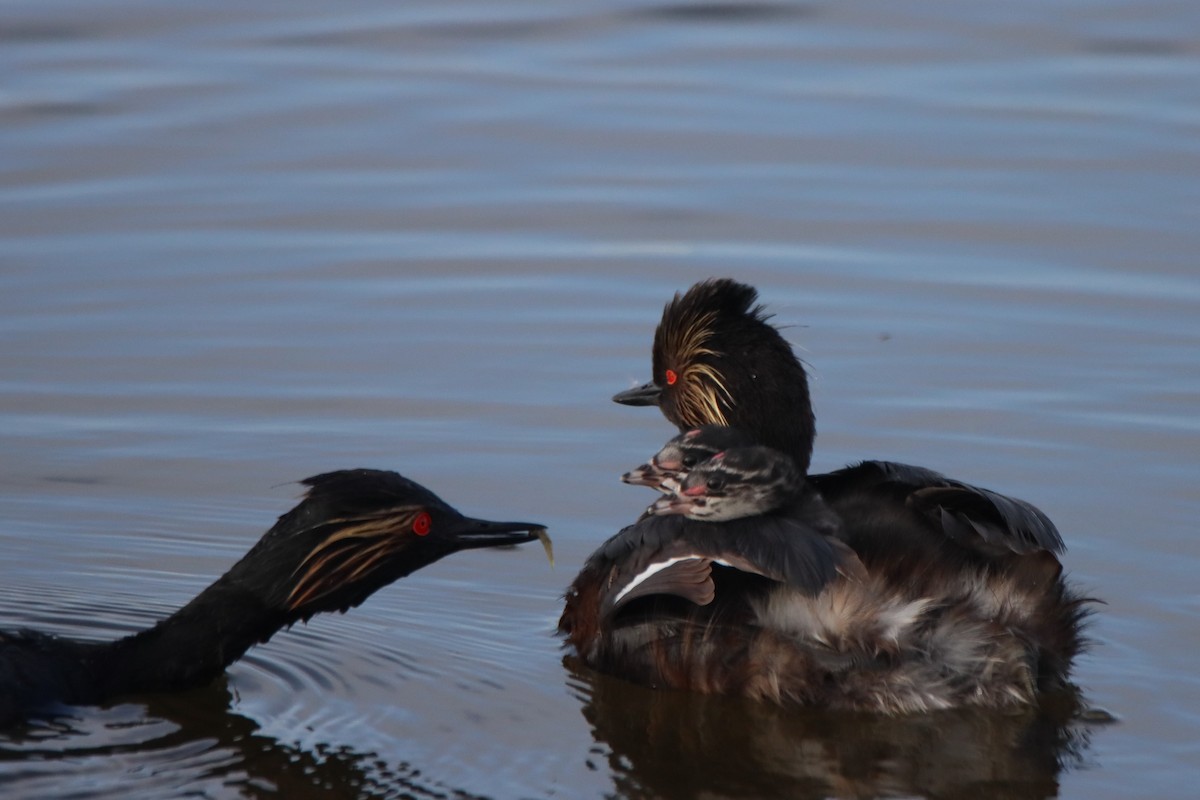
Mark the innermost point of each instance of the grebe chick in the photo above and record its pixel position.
(354, 532)
(736, 483)
(669, 465)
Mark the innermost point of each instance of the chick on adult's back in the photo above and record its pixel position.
(978, 554)
(672, 600)
(764, 594)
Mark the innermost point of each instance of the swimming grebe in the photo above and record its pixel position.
(354, 532)
(974, 570)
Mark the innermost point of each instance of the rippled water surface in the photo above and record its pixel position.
(244, 243)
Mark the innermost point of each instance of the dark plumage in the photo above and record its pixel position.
(946, 594)
(354, 532)
(643, 605)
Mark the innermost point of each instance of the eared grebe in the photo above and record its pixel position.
(946, 594)
(354, 532)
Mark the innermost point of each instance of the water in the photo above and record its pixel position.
(244, 244)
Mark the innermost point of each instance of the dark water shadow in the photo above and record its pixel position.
(221, 746)
(668, 744)
(722, 12)
(1137, 47)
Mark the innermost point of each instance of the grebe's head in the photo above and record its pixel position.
(718, 361)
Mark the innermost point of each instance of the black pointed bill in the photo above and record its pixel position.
(470, 533)
(648, 394)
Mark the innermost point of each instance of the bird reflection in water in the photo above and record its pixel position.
(194, 743)
(671, 744)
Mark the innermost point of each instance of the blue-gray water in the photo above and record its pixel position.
(244, 243)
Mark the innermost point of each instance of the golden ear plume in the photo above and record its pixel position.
(702, 395)
(354, 548)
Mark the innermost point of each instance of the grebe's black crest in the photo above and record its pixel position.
(354, 532)
(941, 594)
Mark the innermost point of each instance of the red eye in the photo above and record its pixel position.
(422, 524)
(671, 377)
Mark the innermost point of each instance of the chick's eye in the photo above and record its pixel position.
(689, 461)
(422, 524)
(715, 483)
(671, 377)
